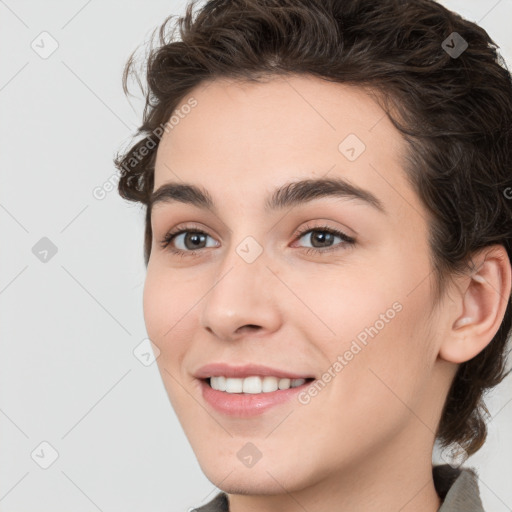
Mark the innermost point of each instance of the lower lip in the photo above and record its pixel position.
(247, 404)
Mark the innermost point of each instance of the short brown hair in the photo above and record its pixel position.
(454, 111)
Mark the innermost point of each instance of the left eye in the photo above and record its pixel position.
(323, 238)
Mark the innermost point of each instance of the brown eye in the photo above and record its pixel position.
(187, 240)
(193, 240)
(322, 239)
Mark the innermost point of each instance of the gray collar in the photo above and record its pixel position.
(458, 488)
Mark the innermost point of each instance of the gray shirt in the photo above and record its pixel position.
(457, 488)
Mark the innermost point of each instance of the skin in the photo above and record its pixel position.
(365, 441)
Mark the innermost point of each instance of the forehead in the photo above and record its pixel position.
(244, 139)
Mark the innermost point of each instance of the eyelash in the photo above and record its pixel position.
(165, 243)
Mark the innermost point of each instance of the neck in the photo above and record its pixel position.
(380, 483)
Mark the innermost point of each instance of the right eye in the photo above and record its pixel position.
(191, 240)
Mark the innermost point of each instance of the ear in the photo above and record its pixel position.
(481, 302)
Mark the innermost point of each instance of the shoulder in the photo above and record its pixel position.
(458, 488)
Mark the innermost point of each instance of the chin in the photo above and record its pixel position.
(247, 484)
(262, 479)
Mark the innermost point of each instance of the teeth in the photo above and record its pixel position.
(284, 383)
(253, 384)
(269, 384)
(218, 383)
(234, 385)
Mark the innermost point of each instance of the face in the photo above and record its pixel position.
(327, 282)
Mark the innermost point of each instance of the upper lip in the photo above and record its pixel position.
(248, 370)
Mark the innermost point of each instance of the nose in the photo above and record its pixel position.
(243, 299)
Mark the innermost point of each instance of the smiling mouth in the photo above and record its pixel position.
(254, 384)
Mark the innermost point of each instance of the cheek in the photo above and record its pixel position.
(168, 315)
(379, 344)
(154, 306)
(172, 306)
(342, 305)
(167, 306)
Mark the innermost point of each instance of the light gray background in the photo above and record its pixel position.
(68, 328)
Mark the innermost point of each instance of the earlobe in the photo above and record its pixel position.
(484, 298)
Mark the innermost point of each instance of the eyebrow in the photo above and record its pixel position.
(291, 194)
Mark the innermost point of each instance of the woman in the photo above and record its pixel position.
(328, 245)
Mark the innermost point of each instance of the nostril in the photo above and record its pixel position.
(250, 327)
